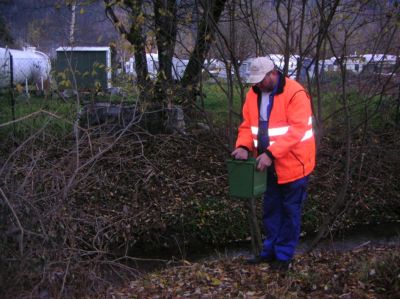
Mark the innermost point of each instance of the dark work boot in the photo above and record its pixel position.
(258, 259)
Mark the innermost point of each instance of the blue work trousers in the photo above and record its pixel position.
(282, 217)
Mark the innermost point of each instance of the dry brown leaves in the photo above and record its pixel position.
(319, 275)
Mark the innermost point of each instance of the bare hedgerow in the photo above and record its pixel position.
(76, 214)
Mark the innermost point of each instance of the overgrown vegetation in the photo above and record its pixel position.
(134, 193)
(82, 206)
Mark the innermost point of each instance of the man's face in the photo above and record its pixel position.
(268, 83)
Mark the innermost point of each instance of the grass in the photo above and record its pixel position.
(215, 103)
(377, 110)
(32, 114)
(365, 110)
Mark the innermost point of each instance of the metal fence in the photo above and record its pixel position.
(6, 70)
(7, 80)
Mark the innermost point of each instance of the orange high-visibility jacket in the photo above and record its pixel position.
(291, 137)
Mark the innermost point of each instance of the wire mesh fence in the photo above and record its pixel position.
(6, 69)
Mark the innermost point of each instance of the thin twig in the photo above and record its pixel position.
(64, 279)
(21, 239)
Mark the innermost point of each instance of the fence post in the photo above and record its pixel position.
(12, 93)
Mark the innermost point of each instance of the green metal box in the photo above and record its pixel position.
(244, 179)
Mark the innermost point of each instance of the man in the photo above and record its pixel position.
(277, 129)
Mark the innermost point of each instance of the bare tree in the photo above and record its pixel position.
(165, 27)
(345, 30)
(72, 24)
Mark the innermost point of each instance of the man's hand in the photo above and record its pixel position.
(263, 161)
(240, 154)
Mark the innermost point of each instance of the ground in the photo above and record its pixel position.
(364, 272)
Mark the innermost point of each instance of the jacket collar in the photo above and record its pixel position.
(278, 89)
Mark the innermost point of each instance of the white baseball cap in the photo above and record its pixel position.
(259, 68)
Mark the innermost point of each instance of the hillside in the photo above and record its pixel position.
(45, 24)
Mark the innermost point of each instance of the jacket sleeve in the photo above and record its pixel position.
(298, 117)
(244, 133)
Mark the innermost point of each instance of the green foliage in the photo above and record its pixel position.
(63, 78)
(215, 220)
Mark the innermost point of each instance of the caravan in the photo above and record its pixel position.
(279, 61)
(178, 66)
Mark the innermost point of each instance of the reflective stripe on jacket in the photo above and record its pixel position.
(291, 137)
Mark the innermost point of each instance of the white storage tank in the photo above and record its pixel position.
(29, 66)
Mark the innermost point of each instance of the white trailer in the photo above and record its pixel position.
(178, 66)
(279, 62)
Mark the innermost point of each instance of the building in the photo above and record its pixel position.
(91, 67)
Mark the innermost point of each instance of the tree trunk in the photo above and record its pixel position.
(165, 28)
(135, 37)
(229, 73)
(206, 33)
(341, 195)
(72, 25)
(287, 26)
(300, 41)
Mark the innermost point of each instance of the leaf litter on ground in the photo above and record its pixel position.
(370, 272)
